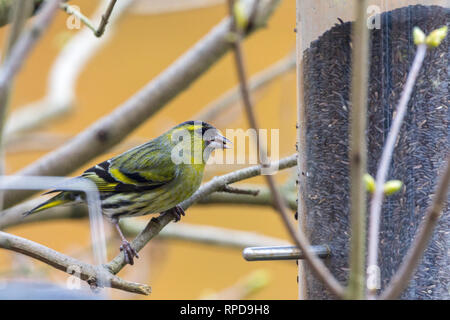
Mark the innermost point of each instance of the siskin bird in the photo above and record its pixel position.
(152, 178)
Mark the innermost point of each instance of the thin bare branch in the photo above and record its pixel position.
(263, 198)
(409, 264)
(21, 11)
(98, 32)
(156, 7)
(386, 156)
(299, 238)
(234, 190)
(358, 152)
(105, 18)
(71, 10)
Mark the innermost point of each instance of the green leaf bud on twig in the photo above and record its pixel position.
(370, 183)
(435, 38)
(392, 186)
(419, 36)
(240, 15)
(257, 280)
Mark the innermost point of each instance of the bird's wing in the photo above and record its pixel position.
(127, 174)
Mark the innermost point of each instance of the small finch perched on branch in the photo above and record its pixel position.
(152, 178)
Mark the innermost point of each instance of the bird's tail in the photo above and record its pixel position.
(59, 199)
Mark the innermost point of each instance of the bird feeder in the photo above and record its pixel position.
(324, 49)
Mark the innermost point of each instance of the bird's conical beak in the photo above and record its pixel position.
(224, 142)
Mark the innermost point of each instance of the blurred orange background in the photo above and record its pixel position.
(142, 47)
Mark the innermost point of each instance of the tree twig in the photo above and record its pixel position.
(234, 190)
(68, 264)
(105, 18)
(14, 216)
(299, 238)
(358, 152)
(113, 128)
(98, 32)
(156, 7)
(401, 278)
(386, 156)
(263, 198)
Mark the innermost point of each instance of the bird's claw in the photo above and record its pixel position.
(178, 212)
(128, 252)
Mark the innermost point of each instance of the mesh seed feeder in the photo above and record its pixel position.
(325, 78)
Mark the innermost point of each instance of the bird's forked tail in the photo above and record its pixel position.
(59, 199)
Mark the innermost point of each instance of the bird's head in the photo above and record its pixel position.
(199, 137)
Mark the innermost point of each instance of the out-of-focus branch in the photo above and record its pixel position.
(18, 49)
(409, 264)
(145, 7)
(114, 127)
(358, 152)
(98, 32)
(258, 81)
(386, 156)
(6, 7)
(46, 141)
(20, 12)
(157, 224)
(87, 272)
(105, 18)
(205, 234)
(300, 239)
(26, 43)
(243, 288)
(14, 216)
(66, 69)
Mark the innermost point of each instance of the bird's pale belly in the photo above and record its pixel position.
(134, 204)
